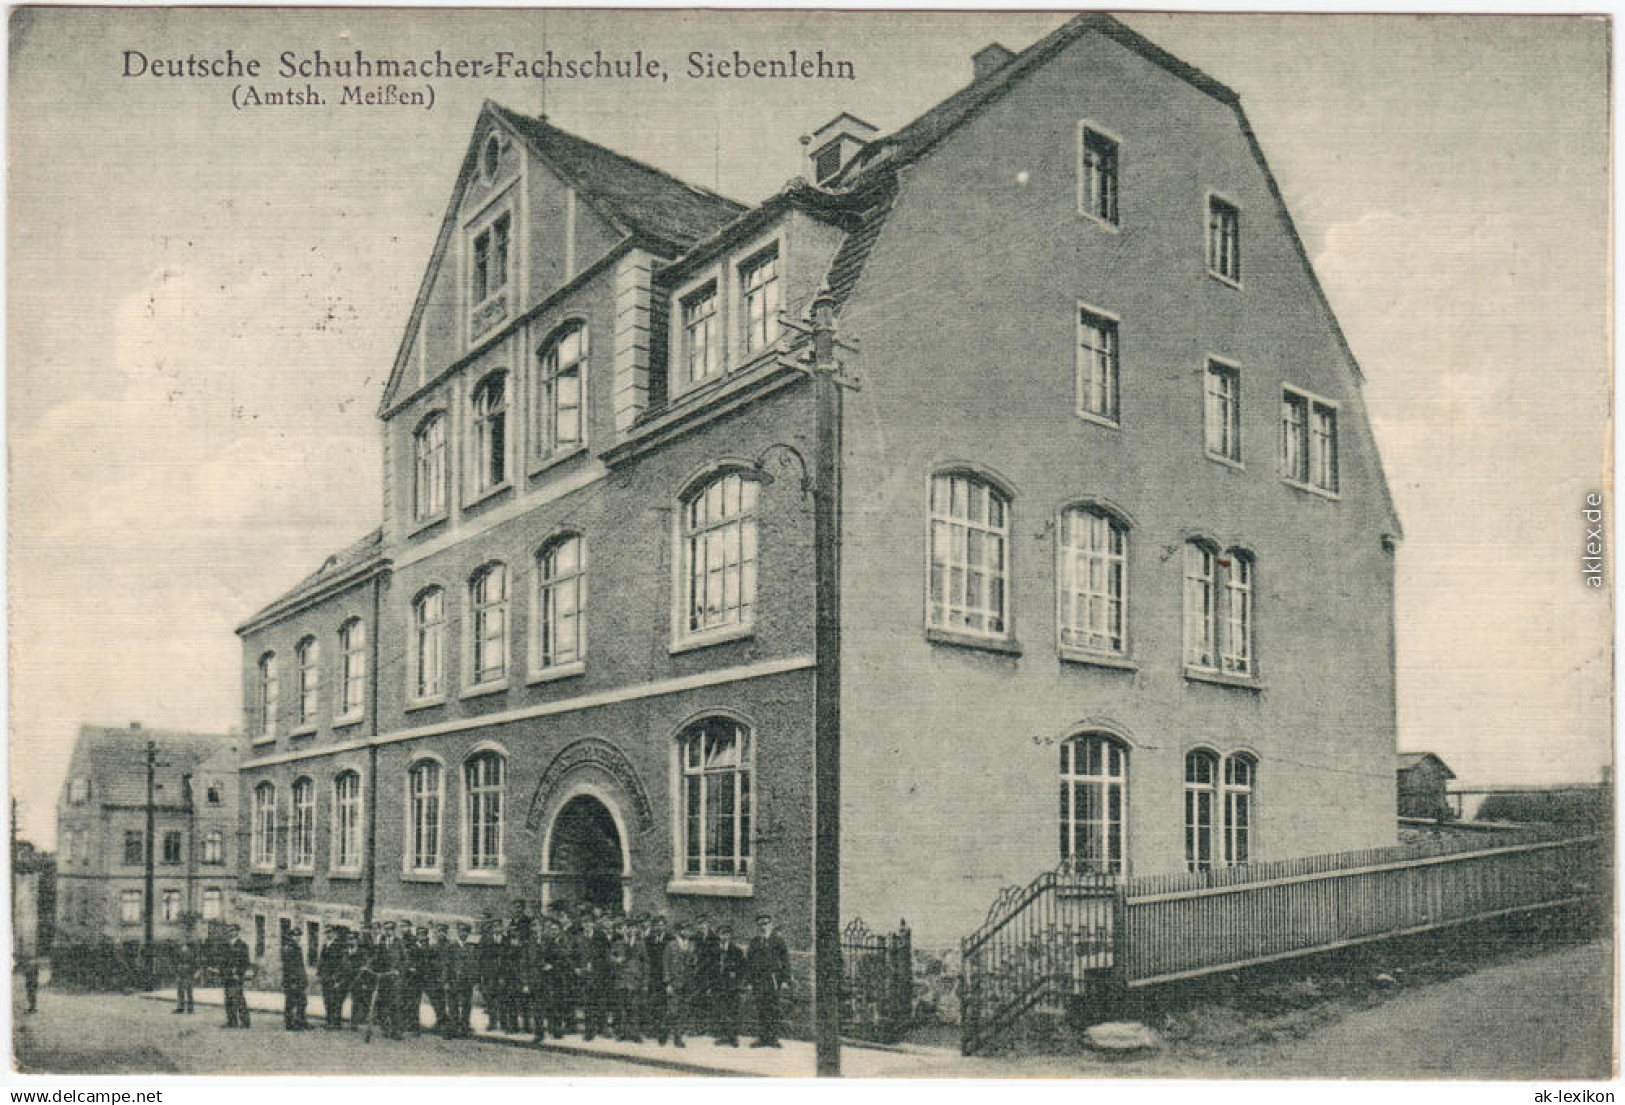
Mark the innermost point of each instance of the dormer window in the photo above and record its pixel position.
(760, 286)
(827, 162)
(700, 359)
(488, 262)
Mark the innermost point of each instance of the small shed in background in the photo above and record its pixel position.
(1422, 779)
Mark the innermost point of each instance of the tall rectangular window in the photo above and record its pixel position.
(302, 845)
(1093, 550)
(1200, 627)
(353, 660)
(719, 555)
(1097, 365)
(1094, 776)
(266, 697)
(134, 848)
(428, 652)
(491, 259)
(716, 797)
(1222, 421)
(563, 361)
(213, 904)
(1323, 447)
(310, 679)
(483, 810)
(262, 842)
(969, 557)
(1219, 610)
(759, 285)
(1224, 239)
(1098, 176)
(129, 907)
(424, 815)
(429, 470)
(488, 598)
(171, 906)
(1309, 441)
(172, 846)
(489, 440)
(561, 573)
(700, 354)
(214, 847)
(347, 821)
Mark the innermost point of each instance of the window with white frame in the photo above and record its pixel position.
(352, 667)
(1218, 610)
(424, 799)
(266, 697)
(969, 556)
(302, 840)
(489, 269)
(762, 295)
(1098, 175)
(1224, 239)
(1093, 566)
(488, 442)
(1097, 364)
(718, 555)
(428, 643)
(171, 906)
(701, 357)
(716, 760)
(561, 579)
(309, 655)
(172, 846)
(1222, 411)
(214, 847)
(488, 603)
(563, 363)
(483, 810)
(1218, 809)
(1094, 778)
(1309, 441)
(262, 838)
(429, 468)
(346, 821)
(129, 907)
(213, 903)
(78, 791)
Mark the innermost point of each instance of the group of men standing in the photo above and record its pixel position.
(560, 974)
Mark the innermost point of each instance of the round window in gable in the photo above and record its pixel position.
(490, 157)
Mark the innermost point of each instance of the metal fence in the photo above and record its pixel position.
(877, 998)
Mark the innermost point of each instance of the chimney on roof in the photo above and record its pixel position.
(832, 146)
(990, 59)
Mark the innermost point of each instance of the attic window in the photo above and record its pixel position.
(490, 157)
(827, 162)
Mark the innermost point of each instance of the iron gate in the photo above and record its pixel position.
(877, 998)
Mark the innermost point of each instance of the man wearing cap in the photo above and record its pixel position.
(679, 967)
(730, 975)
(363, 975)
(458, 969)
(295, 983)
(654, 946)
(767, 969)
(391, 964)
(491, 952)
(332, 970)
(235, 969)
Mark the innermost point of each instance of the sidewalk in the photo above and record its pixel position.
(796, 1059)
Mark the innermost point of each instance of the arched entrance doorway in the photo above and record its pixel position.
(585, 861)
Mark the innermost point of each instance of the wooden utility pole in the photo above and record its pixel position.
(827, 971)
(152, 819)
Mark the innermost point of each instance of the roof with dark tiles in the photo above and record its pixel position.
(115, 762)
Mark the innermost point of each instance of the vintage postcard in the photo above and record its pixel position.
(891, 544)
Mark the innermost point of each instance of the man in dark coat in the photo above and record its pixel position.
(186, 966)
(593, 978)
(363, 976)
(458, 970)
(767, 969)
(390, 963)
(725, 988)
(491, 954)
(332, 970)
(235, 969)
(514, 1010)
(655, 950)
(679, 966)
(705, 974)
(295, 984)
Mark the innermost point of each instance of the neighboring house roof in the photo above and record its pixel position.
(636, 198)
(1410, 760)
(337, 566)
(115, 762)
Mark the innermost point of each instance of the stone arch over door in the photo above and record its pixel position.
(589, 807)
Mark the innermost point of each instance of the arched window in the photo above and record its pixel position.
(266, 698)
(489, 443)
(563, 364)
(309, 654)
(561, 614)
(483, 801)
(346, 821)
(488, 600)
(969, 556)
(302, 845)
(428, 643)
(1094, 557)
(263, 833)
(429, 468)
(424, 796)
(1240, 773)
(1094, 777)
(353, 667)
(1201, 779)
(717, 560)
(1218, 610)
(716, 757)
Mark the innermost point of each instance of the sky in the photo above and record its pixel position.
(203, 304)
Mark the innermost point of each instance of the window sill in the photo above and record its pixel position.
(712, 888)
(423, 876)
(263, 738)
(480, 690)
(496, 877)
(347, 874)
(1225, 280)
(302, 731)
(423, 703)
(262, 868)
(302, 872)
(421, 525)
(1228, 462)
(1311, 488)
(553, 460)
(487, 493)
(347, 720)
(1219, 678)
(1072, 655)
(711, 637)
(557, 672)
(1098, 419)
(1008, 646)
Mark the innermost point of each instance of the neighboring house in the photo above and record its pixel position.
(1422, 779)
(101, 827)
(33, 899)
(1117, 565)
